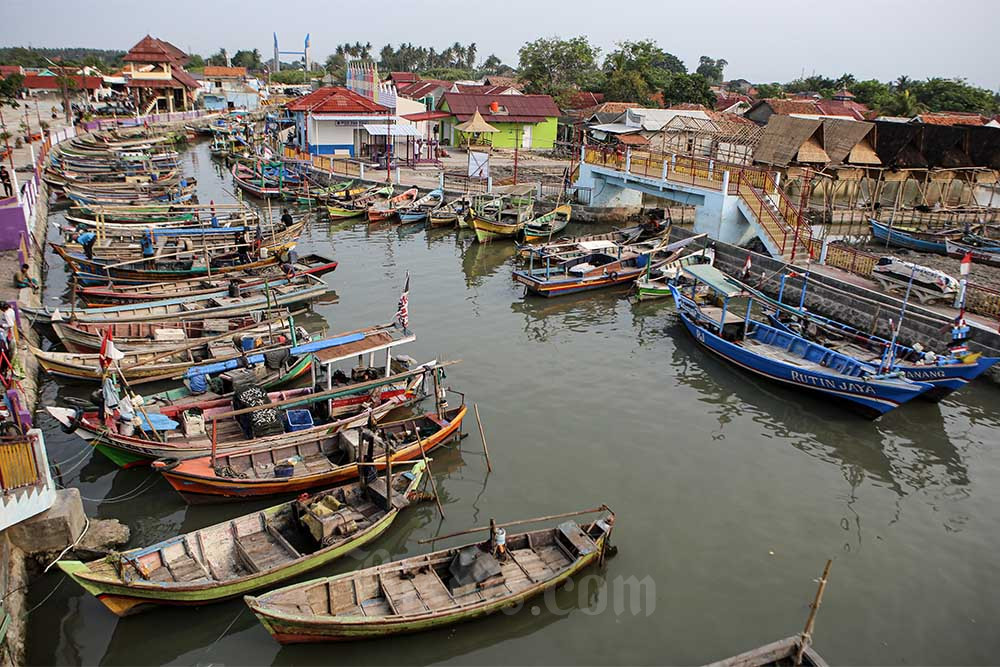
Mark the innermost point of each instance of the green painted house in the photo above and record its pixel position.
(527, 121)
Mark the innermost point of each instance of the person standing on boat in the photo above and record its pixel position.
(147, 245)
(87, 240)
(286, 218)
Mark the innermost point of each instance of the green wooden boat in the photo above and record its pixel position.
(250, 552)
(359, 205)
(436, 589)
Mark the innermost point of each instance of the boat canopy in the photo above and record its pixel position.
(714, 278)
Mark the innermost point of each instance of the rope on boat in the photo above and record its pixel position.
(134, 493)
(228, 627)
(46, 599)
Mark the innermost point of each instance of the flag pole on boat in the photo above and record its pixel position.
(891, 352)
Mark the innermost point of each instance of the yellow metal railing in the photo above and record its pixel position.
(18, 467)
(850, 260)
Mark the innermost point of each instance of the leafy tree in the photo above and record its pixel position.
(811, 84)
(938, 94)
(195, 62)
(644, 59)
(845, 81)
(693, 88)
(449, 73)
(627, 86)
(217, 59)
(554, 66)
(10, 88)
(249, 59)
(290, 76)
(711, 69)
(769, 90)
(493, 65)
(903, 103)
(872, 92)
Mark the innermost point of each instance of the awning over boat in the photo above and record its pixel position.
(380, 130)
(714, 278)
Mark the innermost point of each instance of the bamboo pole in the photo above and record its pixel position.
(430, 473)
(482, 434)
(806, 637)
(142, 408)
(550, 517)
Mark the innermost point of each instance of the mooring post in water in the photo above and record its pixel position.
(430, 474)
(806, 637)
(482, 434)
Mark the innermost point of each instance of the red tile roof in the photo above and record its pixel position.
(476, 89)
(336, 99)
(152, 50)
(855, 110)
(632, 139)
(519, 108)
(951, 118)
(422, 88)
(584, 100)
(688, 106)
(401, 78)
(10, 69)
(39, 82)
(723, 102)
(215, 70)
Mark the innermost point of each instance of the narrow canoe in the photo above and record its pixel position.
(544, 227)
(250, 552)
(433, 590)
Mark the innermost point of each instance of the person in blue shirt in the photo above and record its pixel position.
(215, 221)
(87, 240)
(147, 245)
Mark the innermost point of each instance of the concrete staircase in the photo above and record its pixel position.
(776, 219)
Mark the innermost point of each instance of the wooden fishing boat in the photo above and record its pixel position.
(170, 364)
(171, 434)
(162, 269)
(451, 213)
(318, 459)
(544, 227)
(280, 293)
(913, 239)
(312, 264)
(250, 552)
(789, 652)
(177, 432)
(597, 270)
(655, 284)
(784, 357)
(391, 207)
(434, 590)
(421, 208)
(359, 205)
(248, 181)
(566, 248)
(85, 337)
(503, 217)
(981, 253)
(946, 371)
(925, 283)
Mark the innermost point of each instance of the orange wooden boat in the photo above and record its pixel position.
(389, 208)
(300, 464)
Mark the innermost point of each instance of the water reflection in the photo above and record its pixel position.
(481, 260)
(907, 450)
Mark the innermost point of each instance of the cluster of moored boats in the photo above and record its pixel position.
(253, 401)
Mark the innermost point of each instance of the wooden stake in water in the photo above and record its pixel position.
(806, 637)
(430, 474)
(482, 434)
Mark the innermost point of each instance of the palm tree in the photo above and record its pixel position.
(903, 83)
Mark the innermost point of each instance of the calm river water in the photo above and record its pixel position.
(730, 492)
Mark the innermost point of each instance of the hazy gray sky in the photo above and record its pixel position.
(763, 40)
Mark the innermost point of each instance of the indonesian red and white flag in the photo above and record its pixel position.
(966, 264)
(403, 309)
(747, 265)
(109, 353)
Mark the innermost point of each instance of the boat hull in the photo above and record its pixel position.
(295, 629)
(553, 288)
(902, 239)
(869, 398)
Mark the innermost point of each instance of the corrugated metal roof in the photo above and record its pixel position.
(381, 130)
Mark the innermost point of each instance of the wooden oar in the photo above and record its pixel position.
(480, 529)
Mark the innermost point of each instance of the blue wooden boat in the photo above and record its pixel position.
(420, 209)
(782, 356)
(982, 253)
(907, 237)
(945, 372)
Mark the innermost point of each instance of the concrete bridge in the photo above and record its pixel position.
(733, 203)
